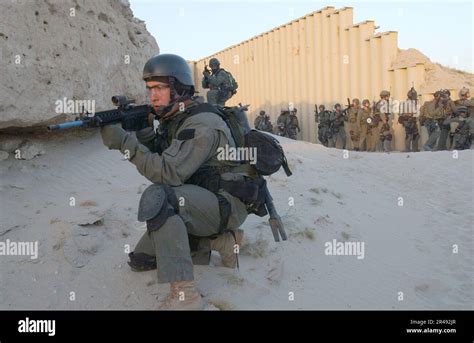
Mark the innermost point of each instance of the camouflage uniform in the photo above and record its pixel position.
(324, 122)
(219, 84)
(373, 142)
(430, 114)
(447, 108)
(262, 123)
(282, 122)
(353, 114)
(338, 134)
(292, 125)
(382, 108)
(364, 121)
(469, 103)
(408, 120)
(462, 128)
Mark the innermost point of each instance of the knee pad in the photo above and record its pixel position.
(157, 204)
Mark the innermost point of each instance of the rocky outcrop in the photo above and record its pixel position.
(70, 49)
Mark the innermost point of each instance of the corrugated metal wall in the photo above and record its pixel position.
(321, 58)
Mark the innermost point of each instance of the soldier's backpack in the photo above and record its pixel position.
(233, 84)
(270, 154)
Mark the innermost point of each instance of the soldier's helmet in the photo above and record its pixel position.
(262, 113)
(437, 94)
(365, 101)
(356, 101)
(322, 107)
(337, 105)
(463, 92)
(214, 63)
(171, 69)
(461, 110)
(412, 94)
(445, 93)
(384, 93)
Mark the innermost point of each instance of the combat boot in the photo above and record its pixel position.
(140, 262)
(224, 245)
(183, 296)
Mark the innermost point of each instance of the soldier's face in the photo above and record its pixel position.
(159, 93)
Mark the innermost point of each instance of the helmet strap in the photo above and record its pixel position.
(173, 93)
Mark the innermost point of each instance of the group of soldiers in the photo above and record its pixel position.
(370, 125)
(287, 123)
(446, 119)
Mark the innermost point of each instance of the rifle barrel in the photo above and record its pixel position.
(275, 222)
(68, 125)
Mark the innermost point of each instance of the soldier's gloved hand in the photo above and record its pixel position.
(145, 135)
(113, 136)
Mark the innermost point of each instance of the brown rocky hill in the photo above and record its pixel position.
(74, 49)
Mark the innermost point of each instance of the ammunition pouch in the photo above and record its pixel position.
(249, 191)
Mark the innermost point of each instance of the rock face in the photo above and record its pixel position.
(437, 76)
(73, 49)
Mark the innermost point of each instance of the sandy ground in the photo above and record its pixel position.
(409, 249)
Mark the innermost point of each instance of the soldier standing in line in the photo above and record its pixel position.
(292, 124)
(429, 116)
(465, 100)
(407, 119)
(365, 125)
(464, 131)
(447, 108)
(382, 107)
(323, 120)
(281, 123)
(263, 123)
(353, 114)
(338, 134)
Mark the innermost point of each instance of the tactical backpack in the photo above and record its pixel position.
(251, 190)
(270, 154)
(233, 84)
